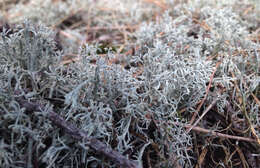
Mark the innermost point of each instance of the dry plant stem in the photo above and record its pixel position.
(202, 157)
(207, 91)
(247, 117)
(242, 157)
(78, 134)
(242, 101)
(204, 113)
(128, 27)
(159, 3)
(199, 129)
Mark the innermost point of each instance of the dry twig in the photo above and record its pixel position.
(78, 134)
(217, 134)
(205, 97)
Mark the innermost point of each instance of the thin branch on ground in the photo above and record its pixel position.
(203, 114)
(78, 134)
(206, 95)
(217, 134)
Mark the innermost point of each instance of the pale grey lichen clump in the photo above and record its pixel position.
(31, 48)
(129, 109)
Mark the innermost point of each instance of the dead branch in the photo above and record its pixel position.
(78, 134)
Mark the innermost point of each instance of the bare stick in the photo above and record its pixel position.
(217, 134)
(207, 91)
(203, 114)
(78, 134)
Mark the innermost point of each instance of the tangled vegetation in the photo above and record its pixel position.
(181, 89)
